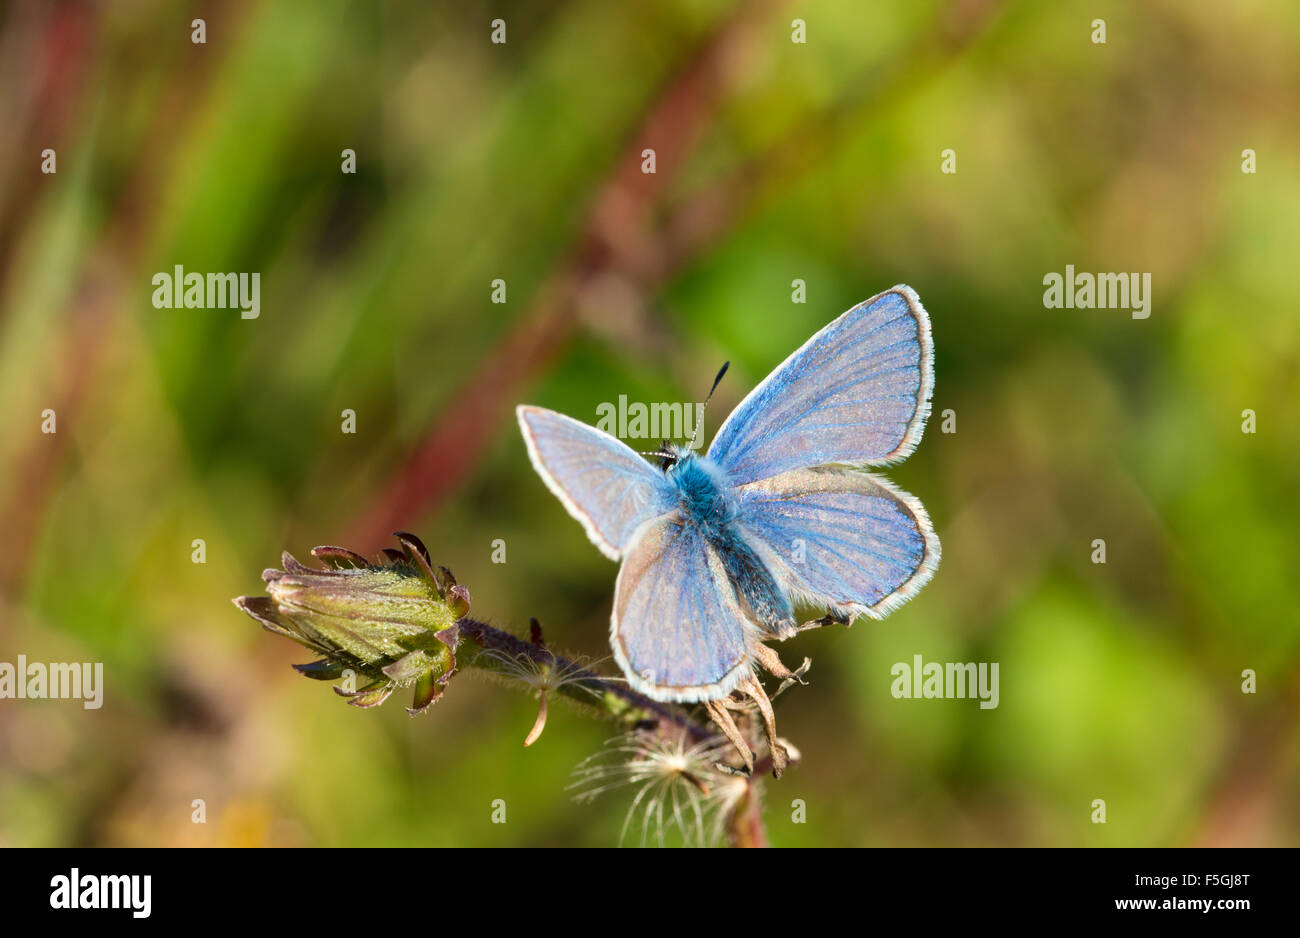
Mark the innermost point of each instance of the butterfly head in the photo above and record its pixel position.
(673, 460)
(667, 454)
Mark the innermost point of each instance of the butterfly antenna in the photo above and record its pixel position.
(700, 420)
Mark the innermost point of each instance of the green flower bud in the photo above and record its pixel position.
(392, 622)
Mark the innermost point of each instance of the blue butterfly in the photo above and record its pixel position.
(718, 549)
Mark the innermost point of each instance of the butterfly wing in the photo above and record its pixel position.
(677, 630)
(605, 485)
(841, 538)
(856, 392)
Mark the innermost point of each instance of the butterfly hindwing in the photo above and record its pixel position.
(841, 538)
(857, 392)
(677, 630)
(605, 485)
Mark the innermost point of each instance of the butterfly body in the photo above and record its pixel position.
(708, 500)
(718, 549)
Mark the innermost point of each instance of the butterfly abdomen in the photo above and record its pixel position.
(762, 599)
(707, 500)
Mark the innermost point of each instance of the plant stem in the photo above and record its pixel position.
(625, 701)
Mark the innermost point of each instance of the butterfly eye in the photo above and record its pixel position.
(667, 458)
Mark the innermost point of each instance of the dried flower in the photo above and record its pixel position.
(393, 621)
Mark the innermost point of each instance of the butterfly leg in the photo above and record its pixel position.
(833, 617)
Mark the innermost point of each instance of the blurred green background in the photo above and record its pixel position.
(775, 161)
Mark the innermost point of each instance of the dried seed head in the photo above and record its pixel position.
(677, 784)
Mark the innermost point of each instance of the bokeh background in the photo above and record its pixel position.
(775, 161)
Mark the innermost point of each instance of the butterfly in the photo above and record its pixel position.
(718, 550)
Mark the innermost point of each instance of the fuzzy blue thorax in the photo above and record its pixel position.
(705, 492)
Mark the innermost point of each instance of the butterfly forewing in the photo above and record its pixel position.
(857, 392)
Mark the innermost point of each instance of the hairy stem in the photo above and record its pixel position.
(583, 684)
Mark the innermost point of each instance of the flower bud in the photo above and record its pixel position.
(392, 622)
